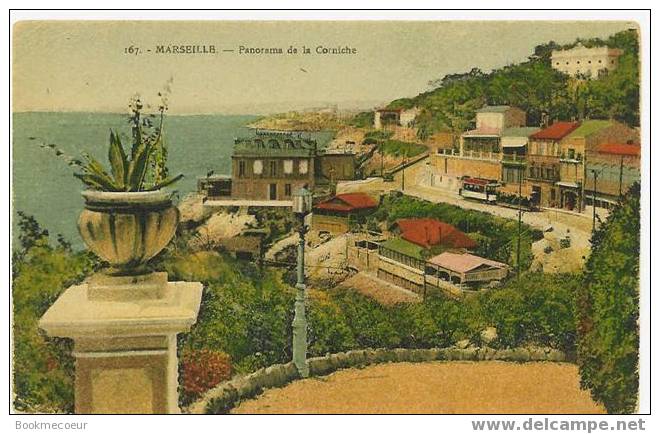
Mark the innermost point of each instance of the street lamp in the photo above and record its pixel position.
(302, 206)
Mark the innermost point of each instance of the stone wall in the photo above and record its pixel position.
(229, 394)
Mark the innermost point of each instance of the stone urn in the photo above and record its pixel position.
(127, 229)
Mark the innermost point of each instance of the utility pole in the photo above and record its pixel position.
(593, 200)
(382, 158)
(621, 178)
(403, 172)
(520, 177)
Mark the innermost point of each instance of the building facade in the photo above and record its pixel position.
(543, 168)
(482, 150)
(574, 151)
(617, 167)
(581, 61)
(342, 212)
(272, 166)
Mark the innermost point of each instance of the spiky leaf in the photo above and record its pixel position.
(118, 160)
(166, 182)
(138, 166)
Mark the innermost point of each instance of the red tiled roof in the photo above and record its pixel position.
(348, 202)
(556, 131)
(620, 149)
(427, 232)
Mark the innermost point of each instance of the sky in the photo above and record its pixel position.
(85, 66)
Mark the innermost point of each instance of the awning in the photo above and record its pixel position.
(567, 184)
(513, 142)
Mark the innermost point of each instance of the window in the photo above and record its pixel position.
(273, 168)
(258, 167)
(287, 189)
(552, 194)
(571, 154)
(241, 168)
(303, 167)
(288, 167)
(549, 173)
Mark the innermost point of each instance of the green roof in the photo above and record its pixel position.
(494, 109)
(275, 145)
(405, 247)
(589, 127)
(519, 131)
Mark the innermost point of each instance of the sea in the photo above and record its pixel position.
(43, 185)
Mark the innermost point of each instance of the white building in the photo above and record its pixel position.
(396, 117)
(588, 62)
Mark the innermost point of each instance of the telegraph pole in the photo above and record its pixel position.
(621, 178)
(520, 177)
(593, 200)
(382, 158)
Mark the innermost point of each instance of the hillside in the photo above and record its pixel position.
(533, 86)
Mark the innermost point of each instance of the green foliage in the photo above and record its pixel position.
(42, 366)
(374, 136)
(245, 313)
(536, 309)
(362, 120)
(145, 170)
(398, 148)
(608, 346)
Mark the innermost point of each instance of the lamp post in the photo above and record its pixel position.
(302, 206)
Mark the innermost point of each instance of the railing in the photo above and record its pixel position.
(471, 155)
(575, 159)
(514, 159)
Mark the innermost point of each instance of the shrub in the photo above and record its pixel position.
(536, 309)
(202, 370)
(608, 346)
(42, 366)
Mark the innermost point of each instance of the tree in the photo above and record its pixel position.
(608, 309)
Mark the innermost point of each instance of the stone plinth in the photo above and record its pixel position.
(125, 345)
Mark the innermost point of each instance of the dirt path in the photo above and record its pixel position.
(434, 387)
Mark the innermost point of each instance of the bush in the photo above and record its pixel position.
(245, 313)
(42, 366)
(536, 309)
(202, 370)
(608, 346)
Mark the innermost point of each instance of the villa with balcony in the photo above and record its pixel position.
(480, 152)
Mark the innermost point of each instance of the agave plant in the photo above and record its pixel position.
(144, 170)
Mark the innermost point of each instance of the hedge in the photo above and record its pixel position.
(608, 324)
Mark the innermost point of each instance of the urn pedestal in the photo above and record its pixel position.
(125, 341)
